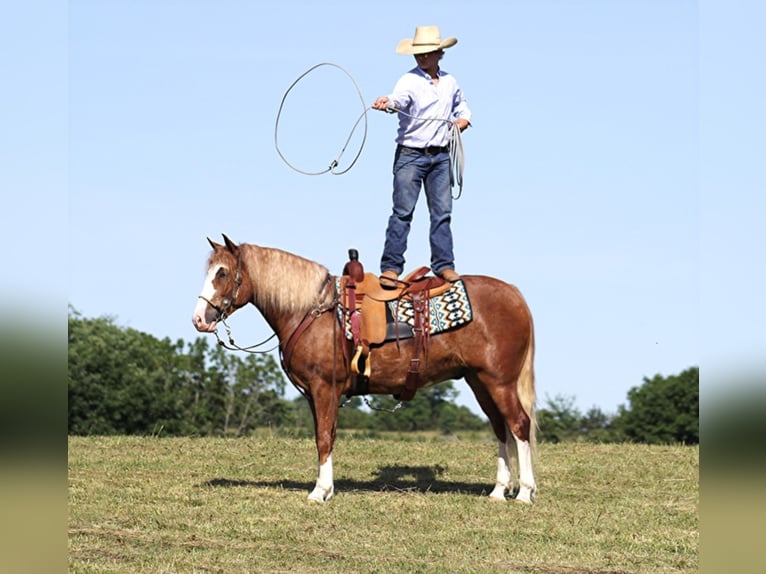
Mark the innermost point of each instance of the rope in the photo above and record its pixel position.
(334, 163)
(457, 158)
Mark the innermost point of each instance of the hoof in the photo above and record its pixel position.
(320, 496)
(498, 494)
(524, 496)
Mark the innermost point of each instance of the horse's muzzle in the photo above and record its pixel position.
(205, 318)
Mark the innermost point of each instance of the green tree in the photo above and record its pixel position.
(193, 376)
(120, 380)
(300, 415)
(352, 416)
(431, 408)
(664, 410)
(454, 417)
(256, 395)
(559, 420)
(597, 426)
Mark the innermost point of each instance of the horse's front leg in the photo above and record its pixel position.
(324, 407)
(324, 488)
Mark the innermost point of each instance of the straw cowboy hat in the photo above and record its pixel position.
(427, 39)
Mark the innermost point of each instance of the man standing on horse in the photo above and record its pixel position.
(428, 101)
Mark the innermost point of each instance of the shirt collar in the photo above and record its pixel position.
(419, 71)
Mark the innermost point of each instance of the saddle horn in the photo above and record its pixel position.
(354, 268)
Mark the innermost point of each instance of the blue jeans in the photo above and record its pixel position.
(413, 169)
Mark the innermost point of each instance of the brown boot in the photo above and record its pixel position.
(388, 280)
(449, 275)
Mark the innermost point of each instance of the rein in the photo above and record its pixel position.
(232, 346)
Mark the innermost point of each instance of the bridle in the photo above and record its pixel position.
(221, 312)
(227, 303)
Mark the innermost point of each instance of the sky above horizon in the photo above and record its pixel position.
(587, 177)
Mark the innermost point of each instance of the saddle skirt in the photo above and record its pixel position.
(390, 314)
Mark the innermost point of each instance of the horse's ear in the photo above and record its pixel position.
(230, 245)
(213, 244)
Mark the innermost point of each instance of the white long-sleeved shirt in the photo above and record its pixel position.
(417, 96)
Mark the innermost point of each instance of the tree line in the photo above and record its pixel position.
(123, 381)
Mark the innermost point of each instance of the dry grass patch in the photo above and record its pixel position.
(187, 505)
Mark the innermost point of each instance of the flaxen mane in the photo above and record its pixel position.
(283, 281)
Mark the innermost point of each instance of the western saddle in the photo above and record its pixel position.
(364, 304)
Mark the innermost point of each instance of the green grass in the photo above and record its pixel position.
(402, 504)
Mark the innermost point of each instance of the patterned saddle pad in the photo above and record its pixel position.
(447, 311)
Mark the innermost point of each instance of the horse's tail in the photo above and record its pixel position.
(525, 390)
(526, 386)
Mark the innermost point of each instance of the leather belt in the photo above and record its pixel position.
(430, 150)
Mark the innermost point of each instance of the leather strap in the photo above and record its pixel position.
(412, 381)
(286, 354)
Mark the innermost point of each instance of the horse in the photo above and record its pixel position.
(298, 298)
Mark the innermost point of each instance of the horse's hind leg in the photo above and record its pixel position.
(514, 428)
(522, 449)
(504, 476)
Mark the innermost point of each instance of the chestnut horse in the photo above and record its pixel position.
(494, 352)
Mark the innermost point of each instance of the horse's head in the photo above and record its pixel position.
(222, 291)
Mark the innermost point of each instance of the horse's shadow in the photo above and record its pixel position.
(391, 478)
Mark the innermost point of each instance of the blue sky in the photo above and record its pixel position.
(591, 179)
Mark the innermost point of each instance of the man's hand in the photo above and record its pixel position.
(461, 123)
(380, 103)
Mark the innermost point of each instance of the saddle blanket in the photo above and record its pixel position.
(447, 311)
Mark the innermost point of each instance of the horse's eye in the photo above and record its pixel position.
(221, 275)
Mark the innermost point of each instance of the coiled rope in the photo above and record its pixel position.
(457, 159)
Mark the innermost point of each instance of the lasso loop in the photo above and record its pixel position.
(334, 163)
(457, 161)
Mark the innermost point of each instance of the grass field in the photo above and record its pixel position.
(402, 504)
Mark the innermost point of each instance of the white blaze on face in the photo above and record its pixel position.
(205, 317)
